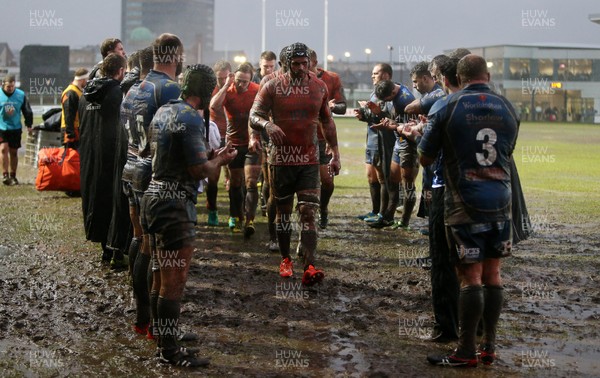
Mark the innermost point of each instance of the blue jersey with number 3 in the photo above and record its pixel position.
(477, 130)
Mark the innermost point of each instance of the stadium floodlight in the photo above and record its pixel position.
(391, 48)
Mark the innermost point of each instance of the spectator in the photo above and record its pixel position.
(99, 111)
(13, 103)
(69, 99)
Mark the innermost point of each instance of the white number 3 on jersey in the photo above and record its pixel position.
(489, 138)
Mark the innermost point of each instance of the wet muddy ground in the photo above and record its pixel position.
(64, 314)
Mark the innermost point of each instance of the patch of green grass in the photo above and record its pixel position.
(558, 169)
(557, 165)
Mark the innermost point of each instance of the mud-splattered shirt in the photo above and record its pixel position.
(218, 116)
(237, 108)
(334, 90)
(177, 142)
(153, 92)
(477, 131)
(296, 106)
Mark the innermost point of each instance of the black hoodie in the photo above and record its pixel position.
(99, 112)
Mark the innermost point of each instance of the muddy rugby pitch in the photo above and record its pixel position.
(64, 314)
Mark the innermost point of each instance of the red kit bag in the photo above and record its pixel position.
(58, 169)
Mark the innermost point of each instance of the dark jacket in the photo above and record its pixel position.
(99, 111)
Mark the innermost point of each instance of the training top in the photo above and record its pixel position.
(296, 105)
(237, 108)
(177, 143)
(11, 107)
(477, 130)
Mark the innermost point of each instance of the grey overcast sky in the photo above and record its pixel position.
(413, 28)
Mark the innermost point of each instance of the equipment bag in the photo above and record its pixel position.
(58, 169)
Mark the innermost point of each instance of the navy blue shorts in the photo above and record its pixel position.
(171, 221)
(476, 242)
(370, 155)
(405, 154)
(131, 197)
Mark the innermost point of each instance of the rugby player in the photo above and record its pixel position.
(373, 163)
(180, 160)
(222, 70)
(236, 97)
(155, 90)
(404, 166)
(477, 131)
(295, 100)
(337, 105)
(266, 66)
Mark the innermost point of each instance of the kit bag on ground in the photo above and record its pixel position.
(58, 169)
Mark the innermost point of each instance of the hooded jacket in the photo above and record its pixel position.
(99, 111)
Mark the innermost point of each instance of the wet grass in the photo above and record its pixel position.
(557, 164)
(558, 170)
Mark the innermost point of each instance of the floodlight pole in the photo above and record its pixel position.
(325, 52)
(264, 26)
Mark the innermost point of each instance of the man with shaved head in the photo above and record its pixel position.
(477, 131)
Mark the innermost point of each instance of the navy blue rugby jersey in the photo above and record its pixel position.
(177, 142)
(477, 131)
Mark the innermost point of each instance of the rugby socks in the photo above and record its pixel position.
(134, 248)
(470, 310)
(168, 320)
(385, 198)
(284, 235)
(326, 193)
(394, 199)
(251, 202)
(236, 202)
(211, 196)
(154, 312)
(308, 240)
(493, 300)
(265, 190)
(271, 214)
(118, 254)
(410, 199)
(375, 188)
(140, 288)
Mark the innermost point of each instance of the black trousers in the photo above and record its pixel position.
(444, 282)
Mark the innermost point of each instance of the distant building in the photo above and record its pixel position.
(562, 81)
(44, 72)
(7, 58)
(191, 20)
(85, 57)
